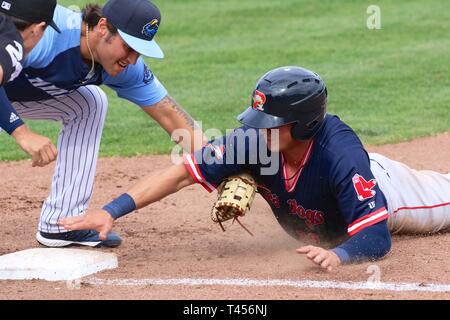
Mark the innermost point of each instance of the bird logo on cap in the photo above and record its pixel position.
(259, 99)
(151, 28)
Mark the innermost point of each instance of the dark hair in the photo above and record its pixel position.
(20, 24)
(92, 14)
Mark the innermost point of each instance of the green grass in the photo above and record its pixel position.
(389, 85)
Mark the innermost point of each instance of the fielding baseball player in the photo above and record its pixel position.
(60, 82)
(22, 25)
(327, 190)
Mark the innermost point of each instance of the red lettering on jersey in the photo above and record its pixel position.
(301, 212)
(270, 197)
(364, 188)
(312, 217)
(275, 201)
(319, 219)
(292, 206)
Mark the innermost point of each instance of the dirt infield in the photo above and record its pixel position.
(176, 239)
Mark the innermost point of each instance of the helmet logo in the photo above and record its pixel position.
(259, 99)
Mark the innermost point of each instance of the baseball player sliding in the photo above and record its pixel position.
(326, 190)
(22, 25)
(60, 82)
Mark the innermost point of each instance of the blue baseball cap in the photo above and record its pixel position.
(137, 22)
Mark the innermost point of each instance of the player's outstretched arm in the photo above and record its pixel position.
(160, 184)
(171, 116)
(150, 189)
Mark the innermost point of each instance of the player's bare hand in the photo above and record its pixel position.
(98, 220)
(326, 259)
(40, 148)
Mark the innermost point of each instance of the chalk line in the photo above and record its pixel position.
(421, 287)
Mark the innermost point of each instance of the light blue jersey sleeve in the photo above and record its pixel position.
(137, 84)
(52, 43)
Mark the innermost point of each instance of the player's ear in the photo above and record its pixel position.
(38, 29)
(42, 26)
(102, 27)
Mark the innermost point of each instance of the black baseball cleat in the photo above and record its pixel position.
(88, 238)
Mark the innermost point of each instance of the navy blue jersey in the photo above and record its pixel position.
(11, 50)
(55, 67)
(11, 56)
(334, 194)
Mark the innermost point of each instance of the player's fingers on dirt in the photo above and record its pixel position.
(313, 253)
(304, 249)
(321, 256)
(326, 263)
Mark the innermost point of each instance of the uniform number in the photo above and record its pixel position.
(16, 54)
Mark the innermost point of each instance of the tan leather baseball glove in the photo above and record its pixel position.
(235, 197)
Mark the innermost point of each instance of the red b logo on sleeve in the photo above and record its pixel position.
(364, 188)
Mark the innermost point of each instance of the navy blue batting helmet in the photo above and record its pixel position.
(288, 95)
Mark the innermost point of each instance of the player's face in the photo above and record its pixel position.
(279, 139)
(115, 55)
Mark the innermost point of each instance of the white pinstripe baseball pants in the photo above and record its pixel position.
(82, 113)
(418, 200)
